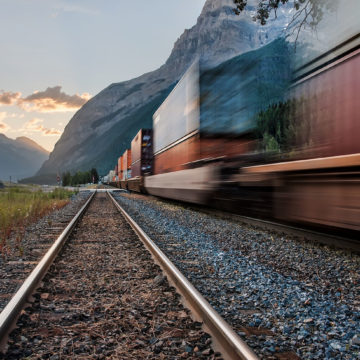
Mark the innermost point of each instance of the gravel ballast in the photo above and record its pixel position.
(283, 295)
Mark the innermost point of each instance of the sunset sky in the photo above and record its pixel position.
(56, 54)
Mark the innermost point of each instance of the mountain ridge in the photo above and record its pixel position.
(20, 158)
(31, 143)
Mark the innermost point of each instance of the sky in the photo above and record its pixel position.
(57, 54)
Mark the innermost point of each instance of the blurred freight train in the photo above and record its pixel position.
(250, 137)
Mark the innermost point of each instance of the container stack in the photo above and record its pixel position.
(120, 167)
(141, 153)
(211, 114)
(116, 170)
(126, 165)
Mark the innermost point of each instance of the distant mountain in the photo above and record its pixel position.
(103, 128)
(31, 144)
(20, 158)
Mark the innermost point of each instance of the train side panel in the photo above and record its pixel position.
(192, 185)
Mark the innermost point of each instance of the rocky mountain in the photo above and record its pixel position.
(103, 128)
(20, 158)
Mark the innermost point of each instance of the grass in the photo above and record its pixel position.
(21, 206)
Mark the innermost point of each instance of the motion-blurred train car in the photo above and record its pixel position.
(325, 188)
(318, 182)
(209, 117)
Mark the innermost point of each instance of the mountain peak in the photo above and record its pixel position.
(219, 34)
(31, 143)
(20, 158)
(211, 5)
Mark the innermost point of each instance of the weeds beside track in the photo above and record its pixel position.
(21, 206)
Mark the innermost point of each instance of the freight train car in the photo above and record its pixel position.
(318, 182)
(211, 145)
(120, 167)
(322, 187)
(209, 117)
(142, 159)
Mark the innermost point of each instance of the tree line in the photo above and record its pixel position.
(80, 177)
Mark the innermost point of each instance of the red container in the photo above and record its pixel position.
(177, 157)
(182, 155)
(329, 104)
(116, 170)
(120, 167)
(127, 164)
(141, 153)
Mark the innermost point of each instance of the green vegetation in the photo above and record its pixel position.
(80, 177)
(279, 130)
(21, 206)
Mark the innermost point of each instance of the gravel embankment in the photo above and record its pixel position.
(282, 294)
(105, 298)
(16, 266)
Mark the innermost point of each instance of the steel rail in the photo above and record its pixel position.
(11, 312)
(226, 340)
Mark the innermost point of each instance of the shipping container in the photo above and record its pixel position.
(212, 112)
(179, 114)
(126, 164)
(142, 153)
(120, 167)
(178, 156)
(328, 109)
(186, 154)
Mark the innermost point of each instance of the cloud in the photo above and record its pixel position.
(9, 98)
(3, 126)
(34, 125)
(51, 100)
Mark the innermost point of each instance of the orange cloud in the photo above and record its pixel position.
(3, 126)
(51, 100)
(9, 98)
(34, 125)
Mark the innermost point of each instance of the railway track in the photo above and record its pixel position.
(16, 264)
(287, 298)
(104, 296)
